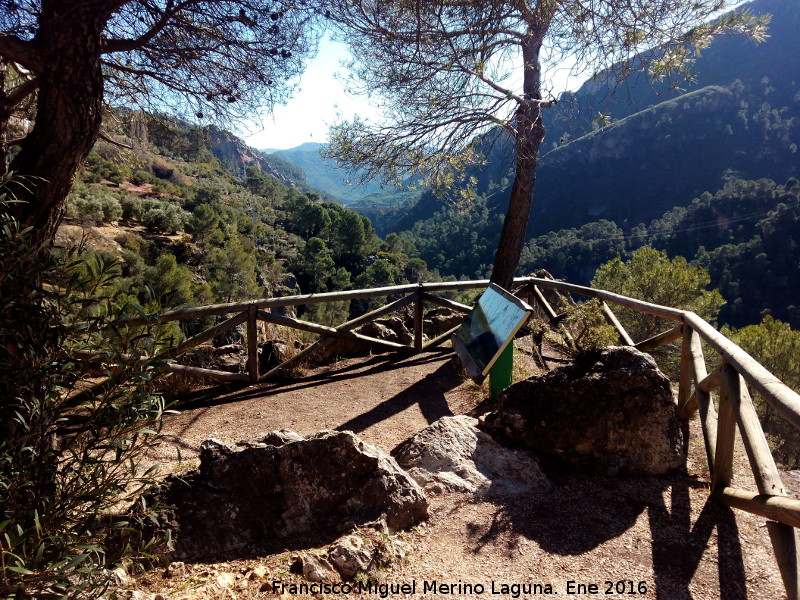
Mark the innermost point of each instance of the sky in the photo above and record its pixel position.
(321, 97)
(314, 106)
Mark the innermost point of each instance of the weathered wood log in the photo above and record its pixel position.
(440, 339)
(548, 310)
(709, 424)
(349, 325)
(782, 398)
(726, 436)
(88, 356)
(778, 508)
(702, 398)
(765, 472)
(252, 344)
(444, 302)
(687, 402)
(662, 339)
(555, 319)
(785, 544)
(612, 319)
(328, 331)
(267, 303)
(209, 373)
(204, 336)
(419, 312)
(710, 382)
(657, 310)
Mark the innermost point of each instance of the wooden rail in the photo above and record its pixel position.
(695, 386)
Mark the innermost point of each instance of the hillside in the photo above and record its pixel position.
(740, 117)
(726, 60)
(193, 216)
(347, 187)
(603, 191)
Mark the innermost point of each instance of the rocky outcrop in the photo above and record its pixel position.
(452, 454)
(388, 330)
(439, 320)
(614, 414)
(236, 156)
(241, 502)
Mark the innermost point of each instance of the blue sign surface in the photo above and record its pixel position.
(488, 329)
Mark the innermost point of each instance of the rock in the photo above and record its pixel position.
(233, 336)
(242, 502)
(317, 568)
(379, 331)
(452, 454)
(352, 554)
(344, 347)
(233, 363)
(259, 572)
(400, 328)
(271, 354)
(439, 320)
(120, 578)
(614, 414)
(280, 437)
(175, 569)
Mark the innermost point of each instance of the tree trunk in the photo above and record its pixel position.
(515, 225)
(68, 115)
(529, 135)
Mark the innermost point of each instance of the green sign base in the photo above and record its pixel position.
(500, 376)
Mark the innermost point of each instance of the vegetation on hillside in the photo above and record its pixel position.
(191, 233)
(71, 452)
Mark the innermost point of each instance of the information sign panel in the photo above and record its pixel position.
(488, 329)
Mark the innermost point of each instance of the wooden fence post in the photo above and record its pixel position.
(767, 478)
(784, 543)
(685, 408)
(726, 434)
(252, 343)
(614, 322)
(701, 398)
(419, 311)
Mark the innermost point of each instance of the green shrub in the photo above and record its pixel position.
(164, 217)
(652, 276)
(91, 203)
(132, 207)
(70, 452)
(140, 177)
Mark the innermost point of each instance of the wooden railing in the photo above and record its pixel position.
(730, 381)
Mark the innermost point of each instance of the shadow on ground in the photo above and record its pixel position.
(583, 512)
(428, 393)
(230, 393)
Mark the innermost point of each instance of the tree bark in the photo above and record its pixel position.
(529, 133)
(69, 111)
(515, 224)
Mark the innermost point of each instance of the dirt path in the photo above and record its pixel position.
(659, 538)
(383, 402)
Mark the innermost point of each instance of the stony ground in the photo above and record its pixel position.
(630, 537)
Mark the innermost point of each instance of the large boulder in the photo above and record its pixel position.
(614, 414)
(439, 320)
(281, 488)
(452, 454)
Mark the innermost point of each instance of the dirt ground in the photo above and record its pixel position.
(630, 537)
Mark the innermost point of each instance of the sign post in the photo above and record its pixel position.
(500, 376)
(484, 340)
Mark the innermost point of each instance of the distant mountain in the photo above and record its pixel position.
(741, 117)
(304, 147)
(327, 175)
(727, 59)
